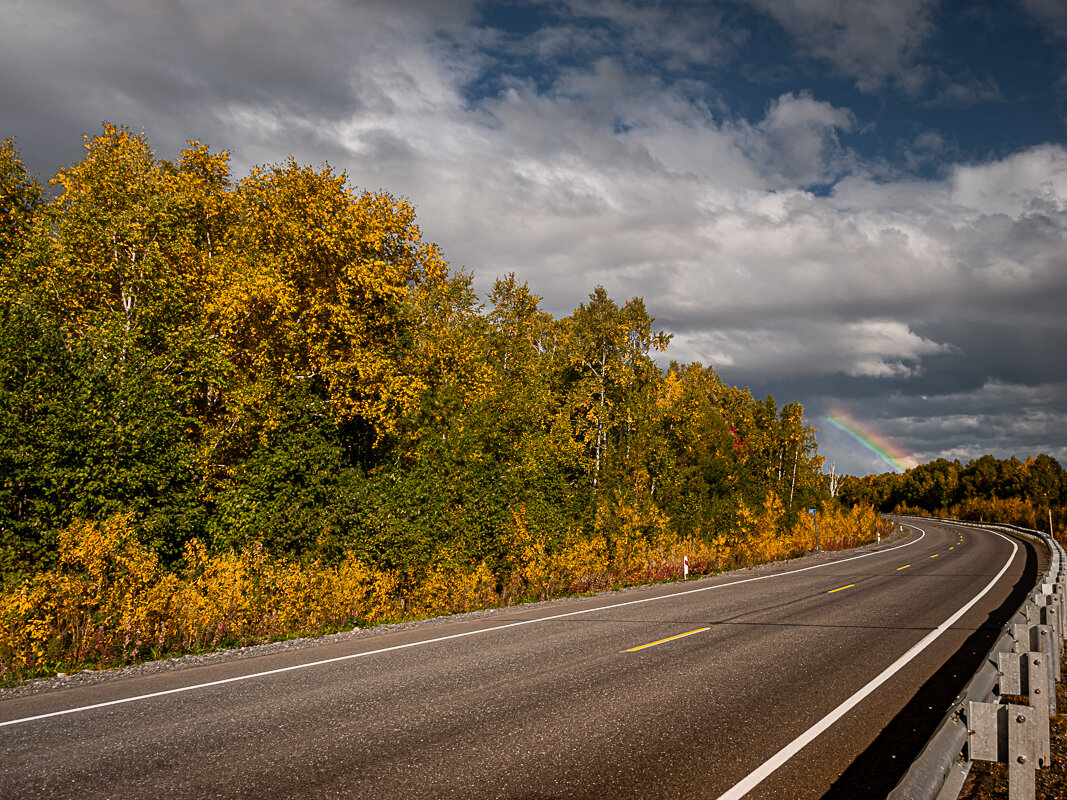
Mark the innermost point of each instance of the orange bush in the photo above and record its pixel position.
(109, 601)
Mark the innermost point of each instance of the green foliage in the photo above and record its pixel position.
(295, 493)
(20, 199)
(987, 488)
(80, 439)
(281, 362)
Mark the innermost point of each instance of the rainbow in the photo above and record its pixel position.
(871, 440)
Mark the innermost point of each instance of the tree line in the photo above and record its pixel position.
(283, 359)
(1030, 493)
(236, 409)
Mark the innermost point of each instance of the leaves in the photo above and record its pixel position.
(264, 381)
(318, 285)
(1008, 490)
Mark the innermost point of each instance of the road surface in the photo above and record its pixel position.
(817, 677)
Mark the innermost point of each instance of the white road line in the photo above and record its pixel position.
(764, 770)
(435, 640)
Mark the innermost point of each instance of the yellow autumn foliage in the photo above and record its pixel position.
(455, 589)
(315, 283)
(109, 601)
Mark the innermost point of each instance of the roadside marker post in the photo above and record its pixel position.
(815, 514)
(685, 567)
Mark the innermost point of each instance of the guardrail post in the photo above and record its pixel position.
(987, 731)
(1037, 668)
(1011, 734)
(1047, 647)
(1053, 608)
(1054, 602)
(1017, 734)
(1022, 755)
(1009, 668)
(1022, 636)
(1050, 620)
(1014, 734)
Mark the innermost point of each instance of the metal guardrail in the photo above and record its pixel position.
(978, 725)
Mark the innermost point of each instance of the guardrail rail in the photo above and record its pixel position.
(1003, 712)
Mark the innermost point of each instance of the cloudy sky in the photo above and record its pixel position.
(858, 205)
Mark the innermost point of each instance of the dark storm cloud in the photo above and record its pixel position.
(265, 79)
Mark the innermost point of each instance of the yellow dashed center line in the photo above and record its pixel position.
(839, 588)
(668, 639)
(904, 567)
(935, 555)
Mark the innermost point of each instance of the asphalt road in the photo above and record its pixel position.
(841, 664)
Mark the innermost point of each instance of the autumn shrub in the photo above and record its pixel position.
(765, 534)
(528, 560)
(244, 597)
(109, 601)
(761, 534)
(106, 599)
(449, 588)
(630, 546)
(843, 528)
(1007, 511)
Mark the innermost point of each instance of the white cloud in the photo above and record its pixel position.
(1050, 13)
(872, 42)
(868, 348)
(796, 142)
(1033, 180)
(602, 171)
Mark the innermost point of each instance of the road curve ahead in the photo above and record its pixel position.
(805, 679)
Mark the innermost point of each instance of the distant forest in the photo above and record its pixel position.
(986, 489)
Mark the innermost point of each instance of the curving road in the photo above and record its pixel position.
(818, 677)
